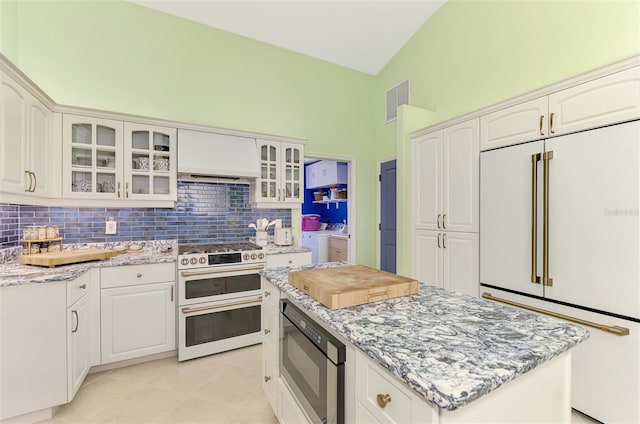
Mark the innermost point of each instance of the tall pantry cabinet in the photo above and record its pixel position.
(446, 176)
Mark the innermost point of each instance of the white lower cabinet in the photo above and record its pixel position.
(78, 334)
(270, 342)
(137, 311)
(448, 259)
(289, 412)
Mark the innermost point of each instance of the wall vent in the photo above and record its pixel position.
(396, 96)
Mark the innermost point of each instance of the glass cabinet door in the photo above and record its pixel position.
(149, 162)
(293, 170)
(92, 157)
(268, 186)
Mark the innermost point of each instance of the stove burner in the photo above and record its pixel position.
(188, 249)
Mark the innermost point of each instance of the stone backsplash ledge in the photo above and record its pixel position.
(204, 213)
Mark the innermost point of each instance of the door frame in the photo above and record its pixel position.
(351, 203)
(379, 203)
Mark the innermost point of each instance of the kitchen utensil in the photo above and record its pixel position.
(265, 223)
(252, 225)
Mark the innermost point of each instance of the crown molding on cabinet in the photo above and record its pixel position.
(591, 75)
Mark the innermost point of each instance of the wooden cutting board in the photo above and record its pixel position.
(66, 257)
(345, 286)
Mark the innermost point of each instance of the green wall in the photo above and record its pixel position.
(118, 56)
(471, 54)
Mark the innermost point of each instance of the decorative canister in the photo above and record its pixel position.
(42, 233)
(52, 231)
(35, 248)
(54, 247)
(262, 238)
(30, 233)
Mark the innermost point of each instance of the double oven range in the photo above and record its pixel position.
(219, 297)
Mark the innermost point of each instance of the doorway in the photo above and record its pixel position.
(387, 225)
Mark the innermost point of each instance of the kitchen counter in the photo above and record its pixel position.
(448, 347)
(274, 249)
(13, 273)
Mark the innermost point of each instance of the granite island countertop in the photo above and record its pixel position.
(13, 273)
(274, 249)
(448, 347)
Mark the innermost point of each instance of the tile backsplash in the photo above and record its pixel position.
(204, 213)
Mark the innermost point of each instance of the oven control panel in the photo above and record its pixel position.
(200, 260)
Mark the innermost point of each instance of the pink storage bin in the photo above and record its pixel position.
(310, 222)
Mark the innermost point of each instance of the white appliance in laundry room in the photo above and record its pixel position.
(560, 231)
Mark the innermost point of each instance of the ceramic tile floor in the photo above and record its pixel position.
(222, 388)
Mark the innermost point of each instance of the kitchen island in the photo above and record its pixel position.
(452, 352)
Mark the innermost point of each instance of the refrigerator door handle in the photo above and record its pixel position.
(546, 280)
(535, 158)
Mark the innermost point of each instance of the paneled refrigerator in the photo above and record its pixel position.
(560, 232)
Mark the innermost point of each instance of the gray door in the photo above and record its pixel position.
(388, 216)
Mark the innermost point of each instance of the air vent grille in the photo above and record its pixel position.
(396, 96)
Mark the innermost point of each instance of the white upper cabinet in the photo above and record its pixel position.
(517, 124)
(326, 173)
(25, 142)
(603, 101)
(109, 159)
(446, 169)
(281, 174)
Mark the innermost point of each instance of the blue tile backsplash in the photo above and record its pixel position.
(204, 213)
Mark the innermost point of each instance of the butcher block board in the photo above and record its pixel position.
(345, 286)
(66, 257)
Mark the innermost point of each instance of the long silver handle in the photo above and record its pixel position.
(187, 310)
(220, 271)
(546, 280)
(535, 158)
(618, 331)
(77, 321)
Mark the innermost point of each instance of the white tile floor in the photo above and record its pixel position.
(222, 388)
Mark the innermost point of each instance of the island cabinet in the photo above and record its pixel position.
(138, 312)
(288, 259)
(270, 342)
(79, 331)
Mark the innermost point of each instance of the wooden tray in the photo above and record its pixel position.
(66, 257)
(345, 286)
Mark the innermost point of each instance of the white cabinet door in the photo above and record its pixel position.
(461, 262)
(268, 185)
(461, 156)
(594, 186)
(78, 336)
(506, 238)
(604, 101)
(40, 135)
(281, 174)
(149, 162)
(527, 121)
(292, 173)
(137, 321)
(427, 153)
(428, 257)
(92, 158)
(289, 412)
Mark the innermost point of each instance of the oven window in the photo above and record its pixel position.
(221, 325)
(221, 285)
(307, 366)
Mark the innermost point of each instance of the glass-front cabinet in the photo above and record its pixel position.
(109, 159)
(281, 169)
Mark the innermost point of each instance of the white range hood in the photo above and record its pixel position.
(204, 156)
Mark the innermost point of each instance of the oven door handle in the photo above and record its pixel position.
(188, 310)
(221, 270)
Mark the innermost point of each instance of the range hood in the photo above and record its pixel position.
(204, 156)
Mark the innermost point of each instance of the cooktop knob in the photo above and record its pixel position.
(202, 260)
(245, 257)
(253, 256)
(260, 255)
(184, 261)
(193, 261)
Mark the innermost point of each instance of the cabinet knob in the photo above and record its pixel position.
(267, 293)
(383, 400)
(290, 261)
(138, 275)
(266, 378)
(83, 286)
(267, 331)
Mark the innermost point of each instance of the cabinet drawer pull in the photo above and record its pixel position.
(126, 190)
(439, 240)
(266, 378)
(383, 400)
(77, 321)
(438, 220)
(139, 275)
(83, 286)
(541, 120)
(551, 123)
(119, 189)
(35, 181)
(444, 241)
(444, 224)
(267, 293)
(267, 331)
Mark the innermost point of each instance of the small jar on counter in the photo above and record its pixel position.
(42, 233)
(30, 233)
(53, 231)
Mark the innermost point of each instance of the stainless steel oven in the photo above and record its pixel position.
(219, 298)
(312, 363)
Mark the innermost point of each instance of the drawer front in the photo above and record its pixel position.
(338, 243)
(288, 259)
(371, 382)
(270, 327)
(131, 275)
(78, 288)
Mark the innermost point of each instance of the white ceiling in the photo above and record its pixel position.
(359, 34)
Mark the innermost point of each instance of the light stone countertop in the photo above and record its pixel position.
(273, 249)
(13, 273)
(448, 347)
